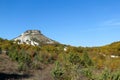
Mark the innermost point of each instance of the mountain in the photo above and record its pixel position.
(34, 37)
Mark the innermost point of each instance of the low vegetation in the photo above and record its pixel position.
(74, 63)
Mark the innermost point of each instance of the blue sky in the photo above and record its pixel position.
(74, 22)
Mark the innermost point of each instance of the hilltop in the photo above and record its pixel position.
(34, 37)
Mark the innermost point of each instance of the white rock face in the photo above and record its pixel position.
(113, 56)
(25, 39)
(65, 48)
(33, 37)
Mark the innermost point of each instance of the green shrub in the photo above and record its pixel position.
(23, 59)
(0, 50)
(74, 58)
(87, 72)
(86, 61)
(115, 75)
(13, 55)
(57, 72)
(107, 74)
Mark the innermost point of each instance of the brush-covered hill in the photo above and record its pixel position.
(20, 60)
(112, 49)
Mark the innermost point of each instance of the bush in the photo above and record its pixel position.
(74, 58)
(57, 72)
(87, 72)
(0, 50)
(86, 61)
(23, 59)
(107, 74)
(13, 55)
(115, 75)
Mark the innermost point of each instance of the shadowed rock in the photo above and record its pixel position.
(5, 76)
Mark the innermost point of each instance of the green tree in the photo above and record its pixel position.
(74, 58)
(86, 60)
(57, 72)
(0, 50)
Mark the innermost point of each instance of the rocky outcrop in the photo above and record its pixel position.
(34, 37)
(28, 32)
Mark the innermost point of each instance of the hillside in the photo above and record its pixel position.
(57, 61)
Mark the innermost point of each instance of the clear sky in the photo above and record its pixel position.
(74, 22)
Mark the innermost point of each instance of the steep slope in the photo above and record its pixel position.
(34, 37)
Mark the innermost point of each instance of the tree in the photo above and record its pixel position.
(0, 50)
(86, 61)
(57, 72)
